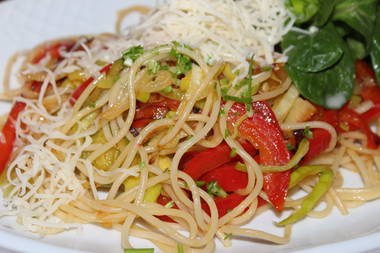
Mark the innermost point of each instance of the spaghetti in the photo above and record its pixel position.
(136, 137)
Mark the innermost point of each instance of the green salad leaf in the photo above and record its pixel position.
(322, 64)
(315, 52)
(304, 10)
(375, 47)
(324, 13)
(360, 15)
(333, 85)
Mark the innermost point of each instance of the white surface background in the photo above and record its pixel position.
(23, 24)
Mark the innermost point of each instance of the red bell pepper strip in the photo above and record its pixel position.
(53, 50)
(354, 121)
(76, 94)
(364, 74)
(371, 93)
(8, 135)
(319, 143)
(321, 137)
(227, 177)
(226, 204)
(163, 200)
(372, 114)
(140, 123)
(147, 112)
(366, 80)
(209, 159)
(156, 110)
(263, 131)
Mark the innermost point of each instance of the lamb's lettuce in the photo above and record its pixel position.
(321, 64)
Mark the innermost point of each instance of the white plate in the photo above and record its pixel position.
(27, 23)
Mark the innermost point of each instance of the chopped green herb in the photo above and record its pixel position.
(226, 133)
(153, 67)
(241, 167)
(200, 183)
(224, 91)
(209, 60)
(92, 105)
(223, 82)
(233, 152)
(189, 137)
(267, 68)
(184, 63)
(228, 236)
(180, 248)
(164, 67)
(242, 83)
(243, 100)
(255, 88)
(290, 146)
(131, 54)
(142, 165)
(308, 133)
(176, 44)
(213, 188)
(344, 126)
(222, 111)
(169, 204)
(168, 89)
(237, 72)
(246, 95)
(171, 114)
(138, 250)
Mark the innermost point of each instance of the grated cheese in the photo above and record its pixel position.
(222, 29)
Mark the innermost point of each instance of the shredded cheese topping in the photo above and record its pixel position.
(222, 29)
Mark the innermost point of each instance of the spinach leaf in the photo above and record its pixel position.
(333, 86)
(357, 47)
(304, 10)
(375, 47)
(325, 10)
(315, 52)
(360, 15)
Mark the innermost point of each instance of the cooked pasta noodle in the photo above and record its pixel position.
(109, 125)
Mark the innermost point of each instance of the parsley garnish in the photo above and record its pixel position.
(142, 165)
(228, 236)
(241, 167)
(184, 63)
(290, 146)
(209, 60)
(92, 105)
(267, 68)
(167, 89)
(222, 111)
(308, 133)
(131, 54)
(153, 67)
(180, 248)
(213, 188)
(226, 133)
(233, 152)
(246, 96)
(200, 183)
(169, 204)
